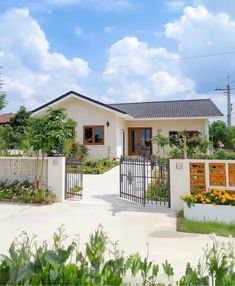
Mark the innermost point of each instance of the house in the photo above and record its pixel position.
(126, 128)
(5, 118)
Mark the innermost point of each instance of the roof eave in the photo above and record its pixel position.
(73, 94)
(175, 118)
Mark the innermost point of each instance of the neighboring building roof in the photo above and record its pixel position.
(170, 109)
(5, 118)
(80, 96)
(157, 109)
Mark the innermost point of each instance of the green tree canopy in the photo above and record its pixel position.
(50, 132)
(221, 133)
(21, 121)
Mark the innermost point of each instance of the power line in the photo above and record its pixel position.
(180, 58)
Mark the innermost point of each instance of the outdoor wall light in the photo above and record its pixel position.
(107, 124)
(179, 165)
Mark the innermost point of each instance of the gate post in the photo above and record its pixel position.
(144, 182)
(120, 176)
(56, 177)
(169, 183)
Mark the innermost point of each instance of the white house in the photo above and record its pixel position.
(126, 128)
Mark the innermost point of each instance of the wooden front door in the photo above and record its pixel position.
(139, 141)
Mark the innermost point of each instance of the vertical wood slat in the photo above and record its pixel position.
(231, 174)
(217, 174)
(197, 177)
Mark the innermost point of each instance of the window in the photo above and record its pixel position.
(93, 135)
(176, 136)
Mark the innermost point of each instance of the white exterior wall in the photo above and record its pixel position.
(200, 125)
(120, 128)
(88, 114)
(180, 179)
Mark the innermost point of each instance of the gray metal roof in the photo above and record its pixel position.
(170, 109)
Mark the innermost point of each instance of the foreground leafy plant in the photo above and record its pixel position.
(102, 263)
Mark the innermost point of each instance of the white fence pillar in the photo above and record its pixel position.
(56, 177)
(179, 182)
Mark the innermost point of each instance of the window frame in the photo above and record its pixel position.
(193, 132)
(93, 134)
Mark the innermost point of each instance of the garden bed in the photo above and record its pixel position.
(98, 166)
(23, 192)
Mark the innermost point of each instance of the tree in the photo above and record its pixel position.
(21, 121)
(2, 94)
(7, 138)
(20, 124)
(49, 134)
(220, 133)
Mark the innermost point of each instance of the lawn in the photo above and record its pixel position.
(192, 226)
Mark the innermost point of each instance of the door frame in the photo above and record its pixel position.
(139, 140)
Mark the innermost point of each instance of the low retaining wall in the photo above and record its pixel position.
(209, 212)
(23, 168)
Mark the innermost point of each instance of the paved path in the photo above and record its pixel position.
(132, 225)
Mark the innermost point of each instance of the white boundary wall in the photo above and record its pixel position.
(23, 168)
(180, 179)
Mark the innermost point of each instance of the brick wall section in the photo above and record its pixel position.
(20, 168)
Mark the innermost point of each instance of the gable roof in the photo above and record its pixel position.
(5, 118)
(171, 109)
(157, 109)
(83, 97)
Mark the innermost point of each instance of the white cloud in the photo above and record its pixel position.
(165, 84)
(109, 29)
(130, 56)
(137, 72)
(33, 73)
(175, 5)
(128, 91)
(78, 31)
(198, 32)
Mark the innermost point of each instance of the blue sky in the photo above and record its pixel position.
(115, 50)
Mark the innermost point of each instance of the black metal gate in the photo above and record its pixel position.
(73, 179)
(145, 181)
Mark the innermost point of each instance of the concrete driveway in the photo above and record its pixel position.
(132, 225)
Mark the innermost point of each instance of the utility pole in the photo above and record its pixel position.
(227, 91)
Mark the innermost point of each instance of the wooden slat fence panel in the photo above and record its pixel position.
(217, 174)
(197, 177)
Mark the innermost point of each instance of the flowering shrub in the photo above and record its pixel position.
(24, 192)
(214, 197)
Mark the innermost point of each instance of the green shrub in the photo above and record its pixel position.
(223, 155)
(76, 189)
(98, 166)
(39, 196)
(24, 192)
(27, 196)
